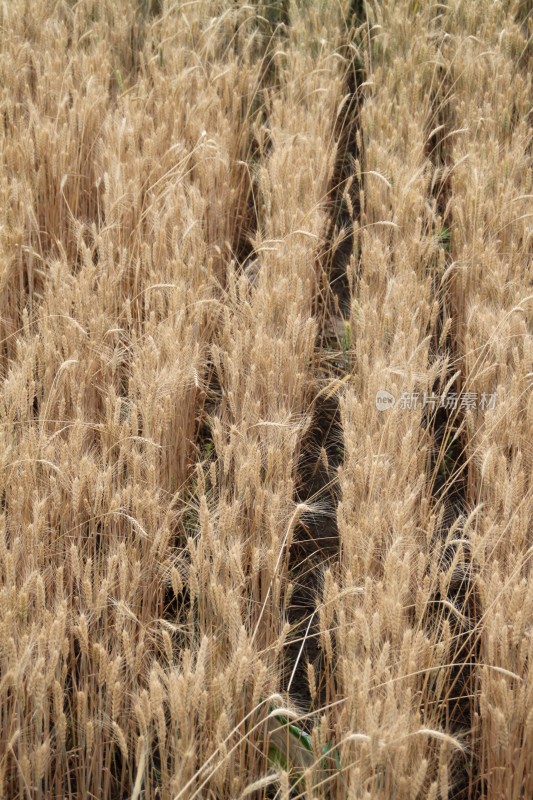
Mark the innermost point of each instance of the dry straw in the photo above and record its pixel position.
(166, 208)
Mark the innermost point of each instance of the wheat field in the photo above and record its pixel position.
(266, 410)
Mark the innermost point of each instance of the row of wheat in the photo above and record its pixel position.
(170, 327)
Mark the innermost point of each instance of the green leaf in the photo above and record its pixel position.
(277, 758)
(445, 238)
(302, 736)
